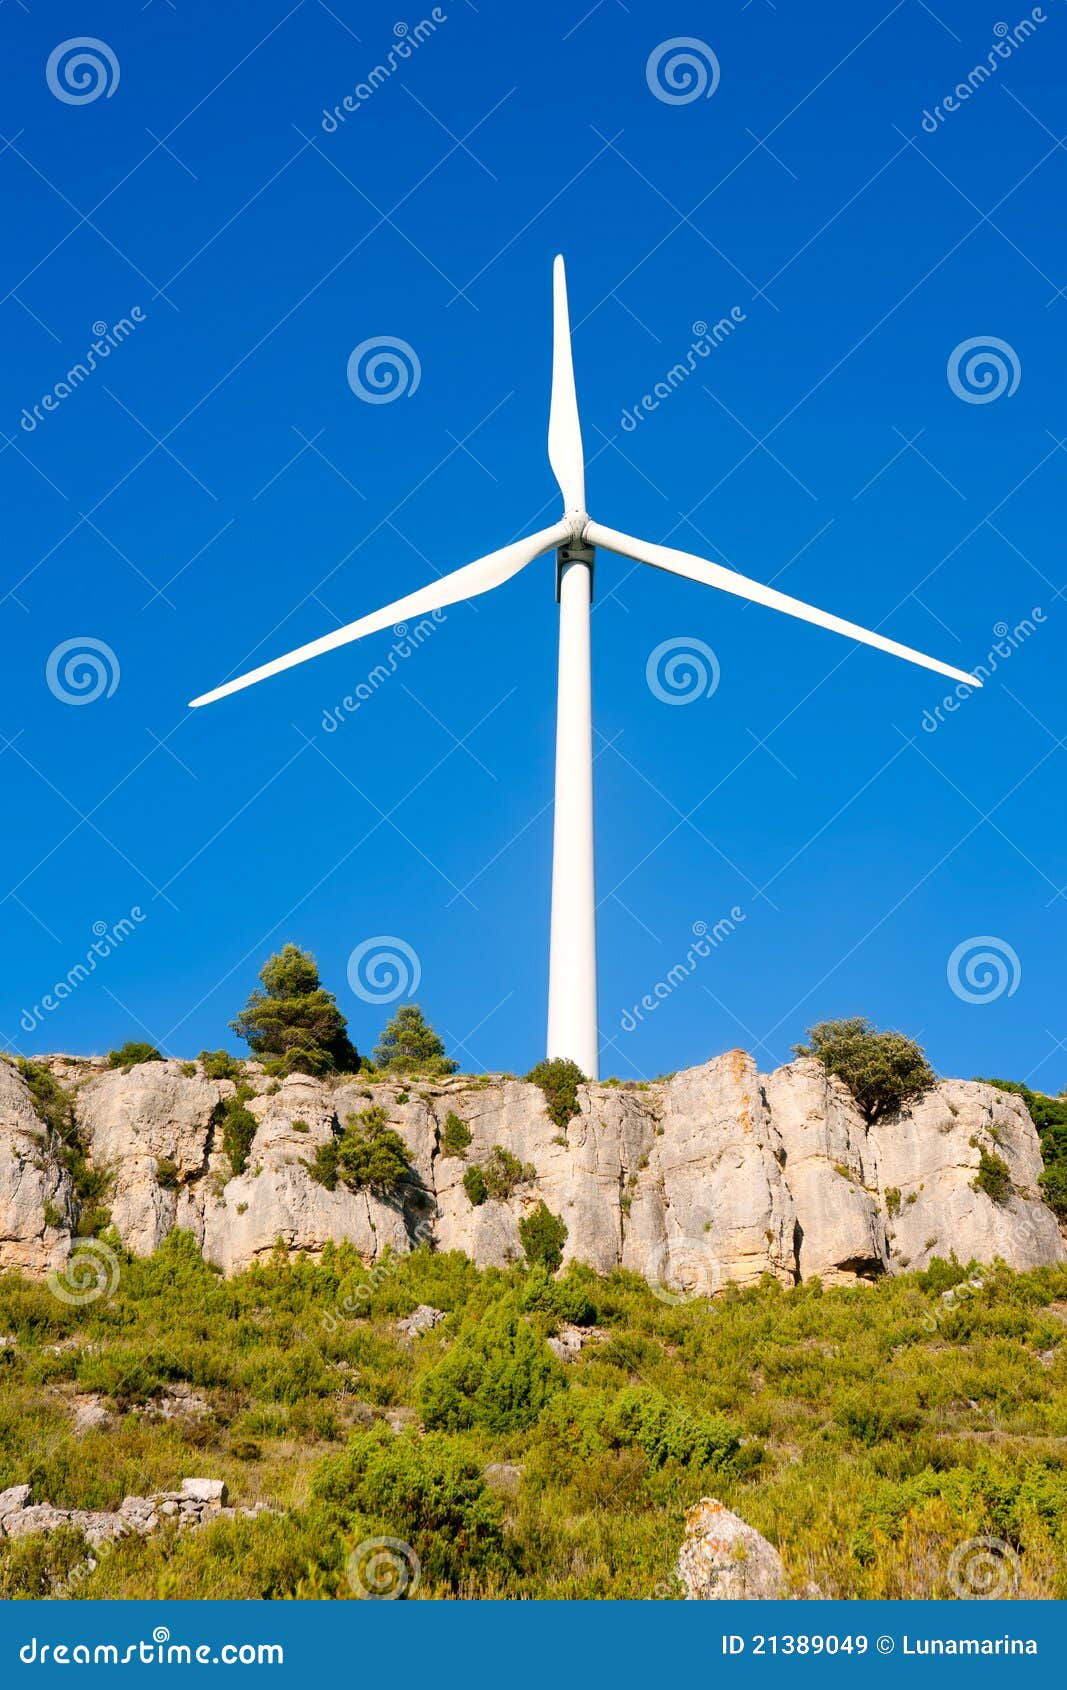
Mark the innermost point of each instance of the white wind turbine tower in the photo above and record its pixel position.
(572, 992)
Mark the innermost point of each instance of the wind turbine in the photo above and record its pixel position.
(572, 993)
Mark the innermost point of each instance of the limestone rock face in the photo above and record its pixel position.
(712, 1204)
(831, 1169)
(133, 1122)
(724, 1560)
(718, 1174)
(36, 1202)
(929, 1157)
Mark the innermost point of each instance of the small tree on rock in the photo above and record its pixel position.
(409, 1045)
(294, 1024)
(881, 1070)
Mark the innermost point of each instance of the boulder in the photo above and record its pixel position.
(423, 1319)
(204, 1490)
(724, 1560)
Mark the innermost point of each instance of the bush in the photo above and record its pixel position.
(559, 1079)
(881, 1070)
(543, 1236)
(167, 1173)
(499, 1374)
(428, 1492)
(455, 1135)
(130, 1054)
(993, 1177)
(409, 1045)
(53, 1104)
(474, 1185)
(668, 1431)
(220, 1065)
(294, 1024)
(564, 1299)
(1049, 1115)
(238, 1127)
(49, 1099)
(368, 1153)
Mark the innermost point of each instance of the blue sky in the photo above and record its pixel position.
(215, 492)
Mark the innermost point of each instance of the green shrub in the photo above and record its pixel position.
(1053, 1183)
(294, 1024)
(993, 1177)
(167, 1173)
(566, 1299)
(220, 1065)
(53, 1217)
(1049, 1115)
(367, 1153)
(881, 1070)
(543, 1235)
(455, 1135)
(668, 1431)
(474, 1185)
(51, 1102)
(499, 1374)
(559, 1079)
(55, 1107)
(892, 1202)
(238, 1127)
(427, 1492)
(409, 1045)
(130, 1054)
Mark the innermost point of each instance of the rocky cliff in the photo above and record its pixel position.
(717, 1174)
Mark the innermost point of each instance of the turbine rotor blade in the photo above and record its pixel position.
(729, 581)
(565, 452)
(474, 578)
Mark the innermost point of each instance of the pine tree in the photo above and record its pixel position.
(409, 1045)
(294, 1024)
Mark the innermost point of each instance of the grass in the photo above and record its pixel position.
(867, 1432)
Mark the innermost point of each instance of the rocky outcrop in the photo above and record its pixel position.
(716, 1175)
(724, 1560)
(929, 1159)
(36, 1200)
(196, 1503)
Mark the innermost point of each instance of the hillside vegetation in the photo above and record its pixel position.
(867, 1432)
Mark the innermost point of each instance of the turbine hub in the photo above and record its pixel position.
(577, 521)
